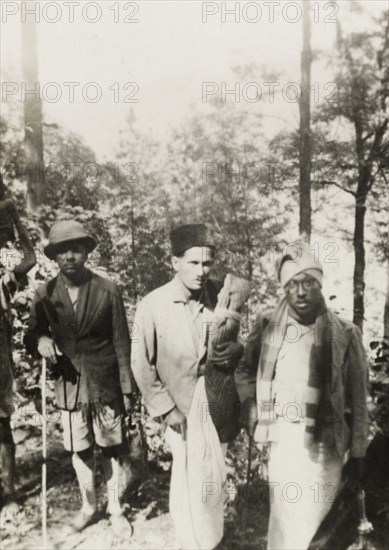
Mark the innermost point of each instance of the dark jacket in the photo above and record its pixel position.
(342, 416)
(94, 337)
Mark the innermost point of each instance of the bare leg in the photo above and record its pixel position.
(84, 465)
(120, 526)
(111, 472)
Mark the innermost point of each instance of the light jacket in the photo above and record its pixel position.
(342, 416)
(94, 337)
(166, 350)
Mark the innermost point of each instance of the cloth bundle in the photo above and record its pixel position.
(220, 386)
(197, 490)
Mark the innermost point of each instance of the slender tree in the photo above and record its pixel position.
(305, 127)
(386, 310)
(33, 140)
(361, 76)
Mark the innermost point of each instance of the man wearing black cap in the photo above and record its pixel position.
(168, 361)
(78, 323)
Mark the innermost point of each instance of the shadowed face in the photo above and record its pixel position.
(71, 257)
(303, 294)
(193, 266)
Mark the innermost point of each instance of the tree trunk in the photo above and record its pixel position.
(359, 267)
(305, 127)
(33, 139)
(249, 261)
(386, 311)
(134, 270)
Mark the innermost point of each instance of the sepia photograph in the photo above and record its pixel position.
(194, 275)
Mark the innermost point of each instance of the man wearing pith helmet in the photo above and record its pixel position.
(302, 382)
(168, 360)
(78, 323)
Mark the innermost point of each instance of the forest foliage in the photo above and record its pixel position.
(219, 168)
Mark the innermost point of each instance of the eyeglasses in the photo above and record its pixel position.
(307, 284)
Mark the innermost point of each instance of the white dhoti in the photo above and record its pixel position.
(303, 482)
(303, 487)
(198, 478)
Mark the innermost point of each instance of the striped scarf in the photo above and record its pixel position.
(319, 369)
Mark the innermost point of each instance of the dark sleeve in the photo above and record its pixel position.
(246, 373)
(122, 342)
(356, 390)
(38, 325)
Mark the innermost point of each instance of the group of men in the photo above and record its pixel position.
(301, 382)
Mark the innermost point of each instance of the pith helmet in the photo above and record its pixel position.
(65, 231)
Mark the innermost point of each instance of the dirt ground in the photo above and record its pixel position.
(246, 512)
(147, 507)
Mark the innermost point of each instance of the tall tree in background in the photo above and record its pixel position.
(386, 310)
(305, 127)
(358, 157)
(218, 161)
(137, 208)
(33, 141)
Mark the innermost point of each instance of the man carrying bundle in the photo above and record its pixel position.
(302, 382)
(169, 359)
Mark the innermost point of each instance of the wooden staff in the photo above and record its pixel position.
(44, 455)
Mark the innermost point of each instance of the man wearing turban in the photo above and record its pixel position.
(168, 360)
(303, 384)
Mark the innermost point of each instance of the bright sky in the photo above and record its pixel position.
(168, 50)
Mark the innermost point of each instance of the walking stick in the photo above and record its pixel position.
(44, 455)
(364, 526)
(246, 504)
(250, 456)
(251, 423)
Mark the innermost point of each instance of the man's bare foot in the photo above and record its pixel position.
(121, 527)
(82, 520)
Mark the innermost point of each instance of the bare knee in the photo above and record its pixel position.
(86, 455)
(111, 452)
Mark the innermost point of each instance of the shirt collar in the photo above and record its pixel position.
(85, 277)
(180, 292)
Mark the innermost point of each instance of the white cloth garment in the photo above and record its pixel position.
(303, 487)
(303, 483)
(292, 372)
(197, 488)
